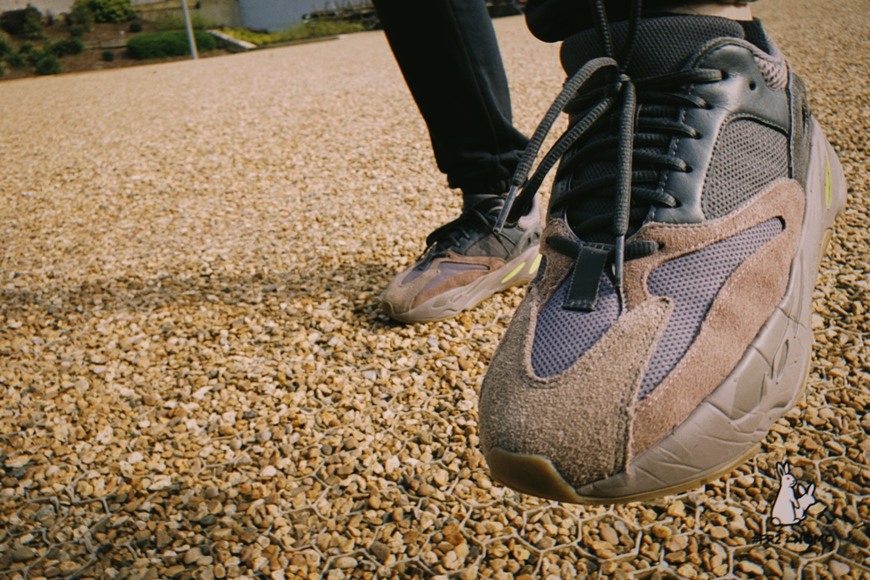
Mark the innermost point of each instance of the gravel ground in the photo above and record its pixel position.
(196, 380)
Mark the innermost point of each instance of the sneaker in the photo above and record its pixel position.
(465, 263)
(669, 326)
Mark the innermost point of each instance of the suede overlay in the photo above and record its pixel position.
(408, 296)
(460, 279)
(580, 420)
(744, 304)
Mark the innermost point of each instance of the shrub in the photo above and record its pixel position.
(5, 49)
(33, 55)
(47, 64)
(81, 16)
(26, 22)
(108, 10)
(174, 22)
(67, 46)
(16, 60)
(76, 32)
(135, 26)
(302, 31)
(108, 56)
(168, 43)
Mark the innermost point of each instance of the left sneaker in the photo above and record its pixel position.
(670, 325)
(465, 263)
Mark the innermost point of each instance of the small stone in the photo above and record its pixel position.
(687, 571)
(839, 569)
(192, 555)
(719, 532)
(380, 550)
(21, 553)
(677, 509)
(609, 535)
(345, 562)
(751, 568)
(661, 532)
(677, 543)
(773, 567)
(163, 538)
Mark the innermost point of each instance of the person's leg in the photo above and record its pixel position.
(448, 53)
(449, 56)
(670, 325)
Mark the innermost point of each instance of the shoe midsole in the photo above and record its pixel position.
(768, 380)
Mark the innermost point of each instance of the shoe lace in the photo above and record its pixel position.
(469, 224)
(643, 113)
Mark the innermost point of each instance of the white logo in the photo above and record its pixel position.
(793, 499)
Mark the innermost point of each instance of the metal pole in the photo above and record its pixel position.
(190, 38)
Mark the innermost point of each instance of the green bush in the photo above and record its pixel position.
(135, 26)
(5, 48)
(47, 64)
(16, 60)
(302, 31)
(168, 43)
(108, 10)
(174, 22)
(25, 22)
(76, 32)
(81, 16)
(67, 46)
(108, 56)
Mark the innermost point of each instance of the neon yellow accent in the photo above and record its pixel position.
(536, 263)
(827, 183)
(513, 273)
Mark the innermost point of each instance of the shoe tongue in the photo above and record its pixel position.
(663, 44)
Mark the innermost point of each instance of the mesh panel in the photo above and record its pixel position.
(692, 282)
(748, 156)
(562, 336)
(676, 39)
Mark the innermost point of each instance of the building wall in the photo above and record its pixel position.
(273, 15)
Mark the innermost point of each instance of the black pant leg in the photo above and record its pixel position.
(449, 56)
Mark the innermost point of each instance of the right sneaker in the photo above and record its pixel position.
(465, 262)
(670, 325)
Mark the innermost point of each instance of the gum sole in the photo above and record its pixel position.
(535, 475)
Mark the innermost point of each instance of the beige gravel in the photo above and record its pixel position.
(196, 380)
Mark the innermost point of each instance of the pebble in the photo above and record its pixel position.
(20, 553)
(750, 568)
